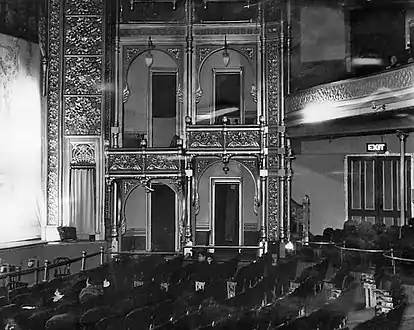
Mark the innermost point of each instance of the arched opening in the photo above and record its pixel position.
(163, 218)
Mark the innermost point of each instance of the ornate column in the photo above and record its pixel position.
(115, 244)
(189, 57)
(188, 242)
(289, 174)
(282, 139)
(402, 136)
(118, 103)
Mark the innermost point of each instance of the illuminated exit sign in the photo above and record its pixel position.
(376, 147)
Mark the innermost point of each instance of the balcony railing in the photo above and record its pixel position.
(388, 90)
(229, 138)
(149, 161)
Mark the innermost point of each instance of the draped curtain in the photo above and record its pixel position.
(82, 201)
(21, 197)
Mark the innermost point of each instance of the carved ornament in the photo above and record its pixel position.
(131, 53)
(273, 81)
(126, 93)
(162, 163)
(83, 154)
(387, 81)
(175, 52)
(162, 31)
(82, 115)
(199, 94)
(180, 94)
(227, 30)
(53, 100)
(125, 162)
(83, 35)
(253, 93)
(243, 139)
(249, 51)
(205, 140)
(203, 53)
(272, 217)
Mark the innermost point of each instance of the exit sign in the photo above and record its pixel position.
(376, 147)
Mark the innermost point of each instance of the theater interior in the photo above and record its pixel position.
(206, 164)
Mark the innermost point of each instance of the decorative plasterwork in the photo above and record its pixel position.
(131, 53)
(126, 93)
(83, 154)
(175, 52)
(83, 75)
(253, 93)
(84, 7)
(273, 81)
(272, 217)
(220, 30)
(53, 117)
(83, 35)
(249, 51)
(251, 164)
(159, 163)
(203, 163)
(366, 87)
(273, 160)
(205, 140)
(180, 94)
(273, 138)
(153, 31)
(243, 139)
(83, 115)
(203, 53)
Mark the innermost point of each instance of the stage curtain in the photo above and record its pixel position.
(82, 201)
(22, 204)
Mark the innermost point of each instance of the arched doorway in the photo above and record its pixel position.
(163, 215)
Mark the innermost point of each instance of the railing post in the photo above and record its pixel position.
(46, 271)
(306, 218)
(402, 136)
(102, 255)
(36, 273)
(393, 261)
(83, 265)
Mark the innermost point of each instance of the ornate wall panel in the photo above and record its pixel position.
(84, 7)
(272, 216)
(83, 35)
(84, 67)
(83, 115)
(273, 68)
(83, 75)
(53, 117)
(159, 30)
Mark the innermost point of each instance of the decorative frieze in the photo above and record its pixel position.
(143, 162)
(83, 115)
(387, 81)
(154, 31)
(243, 139)
(203, 139)
(83, 36)
(53, 117)
(220, 30)
(83, 75)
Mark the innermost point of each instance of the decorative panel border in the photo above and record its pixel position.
(53, 113)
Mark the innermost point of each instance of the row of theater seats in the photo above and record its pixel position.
(151, 292)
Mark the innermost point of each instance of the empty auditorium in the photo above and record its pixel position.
(206, 164)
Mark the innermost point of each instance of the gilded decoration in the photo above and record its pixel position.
(273, 67)
(243, 139)
(83, 154)
(153, 31)
(162, 163)
(53, 117)
(273, 208)
(205, 140)
(175, 52)
(83, 75)
(83, 36)
(386, 81)
(84, 7)
(125, 162)
(83, 115)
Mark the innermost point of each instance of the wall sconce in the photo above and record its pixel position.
(143, 143)
(149, 58)
(226, 55)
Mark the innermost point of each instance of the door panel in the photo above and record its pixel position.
(373, 188)
(162, 219)
(226, 214)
